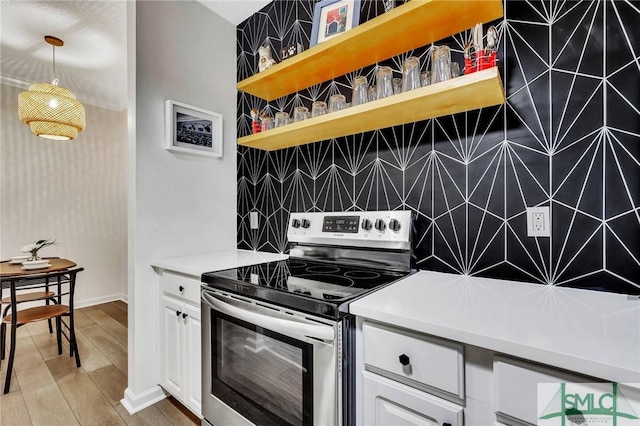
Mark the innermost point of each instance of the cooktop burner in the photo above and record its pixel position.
(335, 258)
(311, 286)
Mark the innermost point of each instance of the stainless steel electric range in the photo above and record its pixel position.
(278, 339)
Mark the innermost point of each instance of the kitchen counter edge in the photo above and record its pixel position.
(589, 332)
(196, 264)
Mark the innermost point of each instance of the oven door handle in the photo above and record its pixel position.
(279, 325)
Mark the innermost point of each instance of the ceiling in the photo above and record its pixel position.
(92, 63)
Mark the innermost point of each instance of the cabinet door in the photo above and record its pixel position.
(193, 368)
(389, 413)
(517, 388)
(389, 403)
(171, 346)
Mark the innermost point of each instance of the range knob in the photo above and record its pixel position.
(394, 225)
(366, 224)
(305, 223)
(295, 223)
(380, 225)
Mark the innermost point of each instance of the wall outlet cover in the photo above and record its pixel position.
(253, 220)
(539, 221)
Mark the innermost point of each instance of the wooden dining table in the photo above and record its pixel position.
(14, 270)
(14, 277)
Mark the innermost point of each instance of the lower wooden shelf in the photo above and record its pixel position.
(478, 90)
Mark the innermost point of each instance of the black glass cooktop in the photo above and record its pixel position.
(309, 286)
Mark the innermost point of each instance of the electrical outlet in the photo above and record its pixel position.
(538, 221)
(253, 220)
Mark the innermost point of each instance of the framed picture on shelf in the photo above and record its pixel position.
(334, 17)
(192, 130)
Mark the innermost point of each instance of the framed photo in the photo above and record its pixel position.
(193, 130)
(333, 17)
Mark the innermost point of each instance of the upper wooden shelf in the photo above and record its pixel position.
(469, 92)
(409, 26)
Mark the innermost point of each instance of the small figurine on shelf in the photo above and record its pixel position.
(491, 50)
(291, 50)
(255, 121)
(265, 61)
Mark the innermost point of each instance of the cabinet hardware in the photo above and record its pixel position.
(181, 288)
(184, 315)
(178, 313)
(404, 360)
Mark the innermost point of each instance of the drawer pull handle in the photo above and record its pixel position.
(181, 289)
(404, 360)
(178, 313)
(446, 424)
(184, 315)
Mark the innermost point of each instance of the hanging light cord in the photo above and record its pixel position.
(55, 77)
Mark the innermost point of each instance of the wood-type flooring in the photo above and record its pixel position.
(48, 389)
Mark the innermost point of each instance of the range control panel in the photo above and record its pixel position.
(351, 228)
(348, 224)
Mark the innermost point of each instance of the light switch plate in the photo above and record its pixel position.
(538, 221)
(253, 220)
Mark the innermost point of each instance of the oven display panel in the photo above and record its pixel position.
(346, 224)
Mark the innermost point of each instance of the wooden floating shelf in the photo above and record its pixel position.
(469, 92)
(409, 26)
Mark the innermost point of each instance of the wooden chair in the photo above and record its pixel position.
(26, 287)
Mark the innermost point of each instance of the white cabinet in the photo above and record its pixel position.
(517, 388)
(171, 346)
(180, 368)
(386, 349)
(192, 344)
(389, 403)
(410, 378)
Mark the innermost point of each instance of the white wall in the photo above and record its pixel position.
(72, 191)
(183, 204)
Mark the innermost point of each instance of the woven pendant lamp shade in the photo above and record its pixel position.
(51, 111)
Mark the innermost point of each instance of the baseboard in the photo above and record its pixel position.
(99, 300)
(134, 403)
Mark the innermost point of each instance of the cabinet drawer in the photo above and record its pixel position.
(181, 286)
(517, 388)
(432, 362)
(390, 403)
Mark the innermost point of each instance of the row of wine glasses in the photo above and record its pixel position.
(337, 102)
(412, 78)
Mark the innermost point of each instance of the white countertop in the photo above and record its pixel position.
(589, 332)
(197, 264)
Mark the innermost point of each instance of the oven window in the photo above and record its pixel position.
(265, 376)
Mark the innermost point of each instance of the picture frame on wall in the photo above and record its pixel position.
(332, 18)
(192, 130)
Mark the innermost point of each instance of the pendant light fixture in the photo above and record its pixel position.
(51, 111)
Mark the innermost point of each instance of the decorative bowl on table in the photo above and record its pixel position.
(35, 264)
(19, 259)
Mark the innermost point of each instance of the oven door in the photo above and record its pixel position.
(263, 365)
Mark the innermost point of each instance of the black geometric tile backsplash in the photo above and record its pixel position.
(568, 136)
